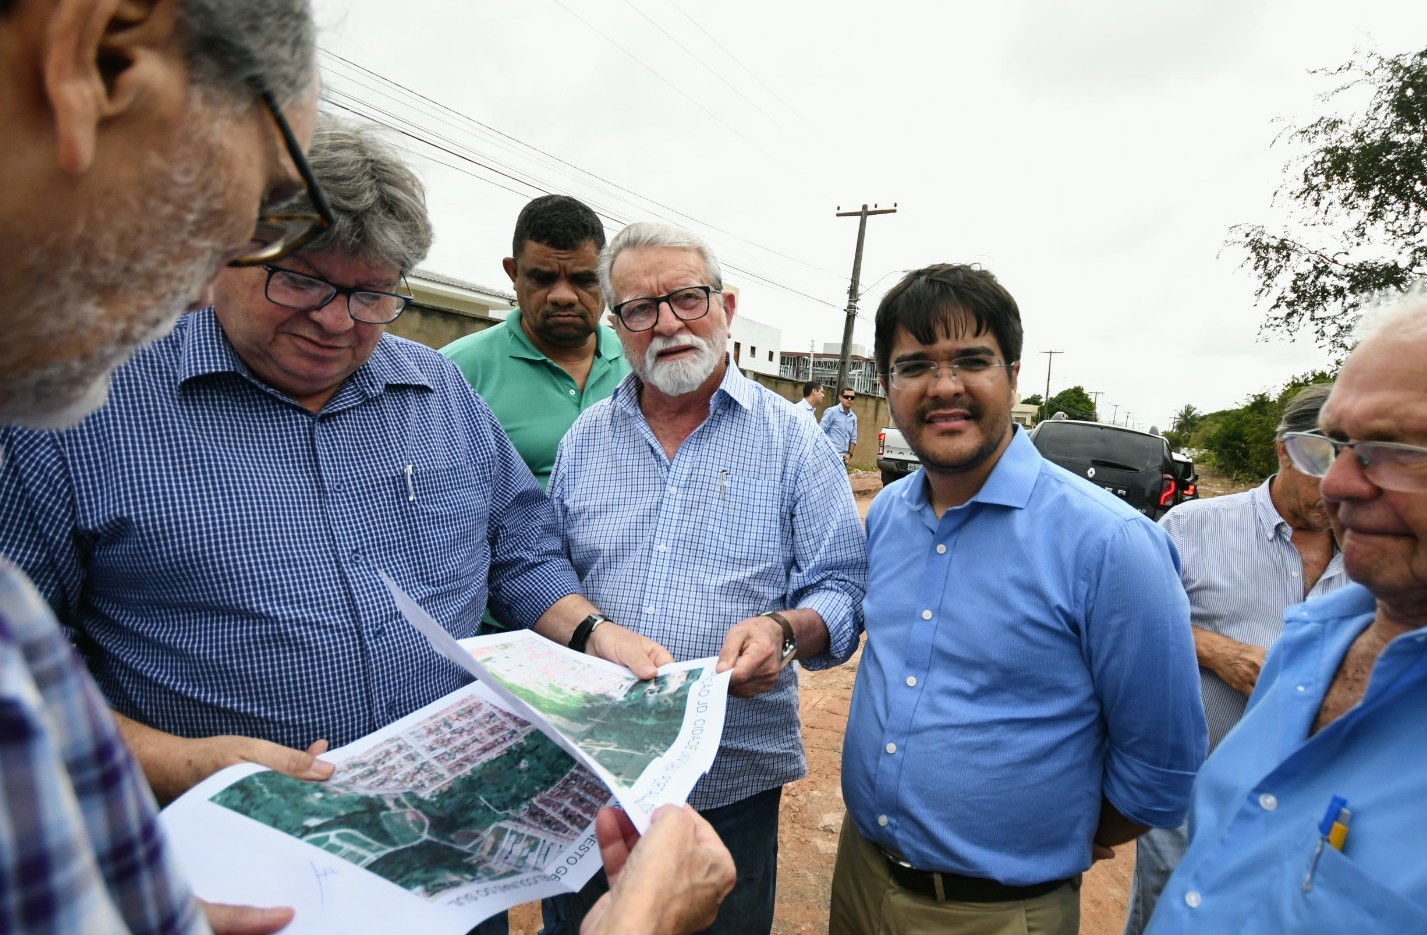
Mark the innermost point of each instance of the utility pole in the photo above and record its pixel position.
(862, 217)
(812, 349)
(1050, 356)
(1115, 413)
(1096, 407)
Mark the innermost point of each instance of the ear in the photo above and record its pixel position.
(1282, 452)
(508, 264)
(1015, 374)
(99, 59)
(730, 304)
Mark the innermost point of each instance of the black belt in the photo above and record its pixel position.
(962, 889)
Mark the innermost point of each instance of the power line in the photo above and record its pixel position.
(735, 59)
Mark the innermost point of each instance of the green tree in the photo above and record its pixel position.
(1033, 400)
(1359, 203)
(1074, 402)
(1187, 420)
(1241, 441)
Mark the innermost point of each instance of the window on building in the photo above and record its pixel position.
(770, 357)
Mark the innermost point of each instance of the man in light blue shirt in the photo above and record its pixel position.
(1305, 818)
(839, 423)
(702, 511)
(1028, 697)
(1243, 559)
(812, 399)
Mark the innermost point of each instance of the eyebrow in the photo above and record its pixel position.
(923, 354)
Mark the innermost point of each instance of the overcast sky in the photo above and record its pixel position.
(1093, 155)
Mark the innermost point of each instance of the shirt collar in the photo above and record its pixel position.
(1269, 521)
(607, 343)
(206, 351)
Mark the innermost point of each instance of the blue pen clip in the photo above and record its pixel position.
(1337, 807)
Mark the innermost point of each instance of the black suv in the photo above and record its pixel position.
(1188, 477)
(1134, 466)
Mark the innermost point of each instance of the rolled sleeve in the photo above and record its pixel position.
(1146, 675)
(829, 573)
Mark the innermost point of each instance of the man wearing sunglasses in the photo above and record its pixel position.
(212, 539)
(839, 423)
(1243, 559)
(1304, 818)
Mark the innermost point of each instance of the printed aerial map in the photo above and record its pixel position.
(469, 794)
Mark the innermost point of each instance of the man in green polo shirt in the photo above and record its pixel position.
(551, 359)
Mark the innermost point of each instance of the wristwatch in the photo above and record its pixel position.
(581, 637)
(790, 641)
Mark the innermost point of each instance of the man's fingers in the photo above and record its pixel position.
(299, 764)
(245, 920)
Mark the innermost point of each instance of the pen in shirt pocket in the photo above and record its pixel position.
(1332, 832)
(410, 483)
(723, 483)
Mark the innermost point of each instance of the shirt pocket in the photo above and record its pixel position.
(1344, 898)
(741, 518)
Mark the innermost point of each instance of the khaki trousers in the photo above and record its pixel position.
(866, 901)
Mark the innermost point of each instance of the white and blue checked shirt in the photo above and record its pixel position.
(80, 846)
(212, 547)
(754, 513)
(1241, 572)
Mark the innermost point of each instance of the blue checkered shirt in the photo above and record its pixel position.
(212, 547)
(80, 847)
(754, 513)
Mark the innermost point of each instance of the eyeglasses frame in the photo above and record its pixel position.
(660, 301)
(1364, 460)
(347, 291)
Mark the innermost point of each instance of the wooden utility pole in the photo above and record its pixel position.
(862, 216)
(1050, 356)
(1095, 409)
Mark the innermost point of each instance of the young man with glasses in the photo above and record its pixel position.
(1028, 696)
(1300, 818)
(212, 539)
(701, 510)
(1243, 559)
(839, 423)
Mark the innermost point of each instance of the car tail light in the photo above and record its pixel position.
(1189, 489)
(1166, 490)
(881, 443)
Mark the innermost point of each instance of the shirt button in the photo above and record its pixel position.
(356, 556)
(1192, 899)
(1295, 574)
(891, 748)
(882, 820)
(649, 611)
(1268, 802)
(1303, 688)
(912, 681)
(572, 392)
(662, 547)
(941, 548)
(926, 615)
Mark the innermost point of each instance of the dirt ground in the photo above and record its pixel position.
(813, 808)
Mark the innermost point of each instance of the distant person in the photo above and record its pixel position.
(551, 359)
(1027, 697)
(1306, 819)
(1243, 558)
(700, 510)
(812, 399)
(839, 423)
(145, 146)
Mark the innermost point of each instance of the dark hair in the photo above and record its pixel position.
(557, 221)
(808, 388)
(928, 304)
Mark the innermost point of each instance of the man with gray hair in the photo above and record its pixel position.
(212, 539)
(1244, 558)
(703, 511)
(146, 145)
(1302, 819)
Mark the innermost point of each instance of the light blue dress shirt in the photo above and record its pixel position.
(212, 546)
(1026, 654)
(841, 428)
(754, 513)
(1254, 865)
(1241, 570)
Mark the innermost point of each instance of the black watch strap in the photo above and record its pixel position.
(789, 648)
(581, 637)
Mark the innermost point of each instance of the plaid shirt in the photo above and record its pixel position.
(213, 547)
(80, 848)
(754, 513)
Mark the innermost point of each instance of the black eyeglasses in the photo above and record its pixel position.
(688, 304)
(304, 293)
(845, 396)
(1389, 465)
(278, 235)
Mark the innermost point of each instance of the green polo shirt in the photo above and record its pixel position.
(534, 398)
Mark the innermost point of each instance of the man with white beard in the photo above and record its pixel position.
(703, 511)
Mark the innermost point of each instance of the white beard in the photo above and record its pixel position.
(679, 377)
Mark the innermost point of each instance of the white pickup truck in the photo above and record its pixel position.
(894, 458)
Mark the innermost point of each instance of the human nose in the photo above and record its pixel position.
(1345, 479)
(666, 322)
(562, 293)
(945, 372)
(336, 315)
